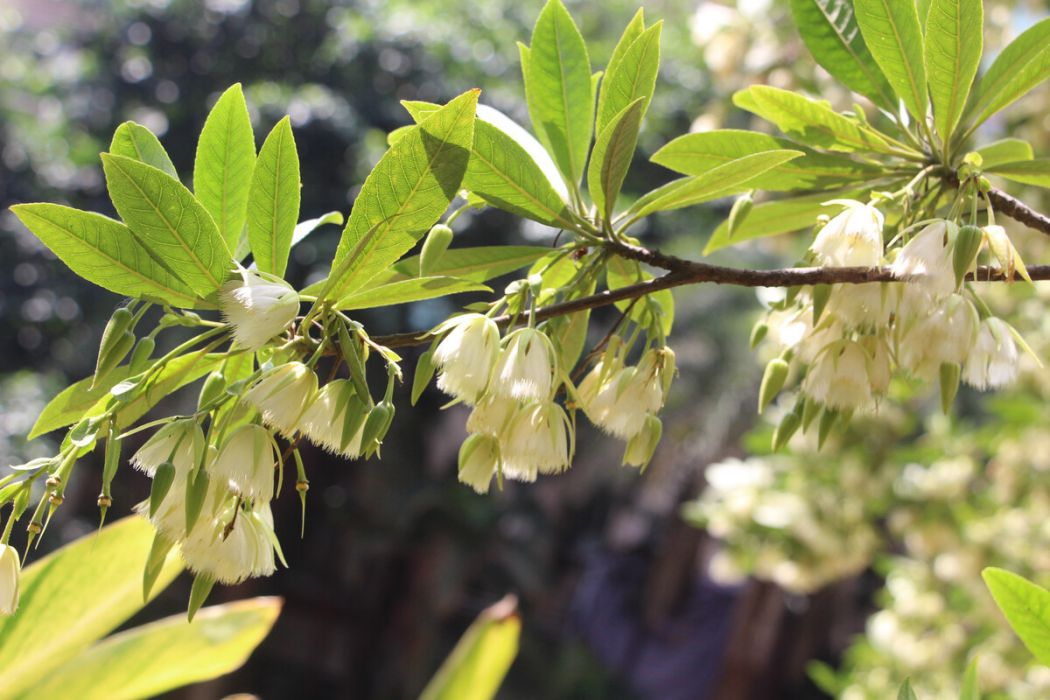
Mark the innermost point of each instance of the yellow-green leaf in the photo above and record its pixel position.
(954, 36)
(631, 76)
(1022, 65)
(135, 141)
(404, 291)
(612, 155)
(1026, 607)
(273, 202)
(892, 33)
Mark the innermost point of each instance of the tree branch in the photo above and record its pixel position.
(1010, 206)
(685, 272)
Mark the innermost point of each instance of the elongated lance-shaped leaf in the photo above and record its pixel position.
(1026, 607)
(612, 155)
(1031, 172)
(954, 36)
(829, 29)
(558, 89)
(892, 33)
(695, 154)
(135, 141)
(85, 589)
(103, 251)
(815, 122)
(1022, 65)
(631, 75)
(166, 218)
(273, 203)
(407, 191)
(478, 264)
(404, 291)
(225, 160)
(147, 661)
(718, 182)
(1008, 150)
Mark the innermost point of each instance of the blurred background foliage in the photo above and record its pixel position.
(620, 596)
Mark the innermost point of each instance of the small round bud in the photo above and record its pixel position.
(56, 499)
(104, 501)
(984, 184)
(53, 482)
(302, 486)
(35, 528)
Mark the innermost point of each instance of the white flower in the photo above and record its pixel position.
(994, 359)
(860, 305)
(641, 447)
(840, 376)
(180, 441)
(10, 572)
(467, 355)
(928, 257)
(492, 415)
(853, 238)
(537, 440)
(1003, 249)
(248, 460)
(260, 306)
(281, 395)
(325, 421)
(945, 336)
(230, 557)
(788, 327)
(619, 402)
(526, 366)
(479, 459)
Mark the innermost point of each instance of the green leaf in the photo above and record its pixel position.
(103, 251)
(720, 181)
(408, 190)
(1031, 172)
(970, 688)
(816, 123)
(404, 291)
(695, 154)
(611, 157)
(73, 597)
(225, 161)
(135, 141)
(73, 402)
(557, 75)
(631, 76)
(476, 667)
(273, 204)
(954, 36)
(475, 264)
(1006, 150)
(1026, 607)
(905, 692)
(1022, 65)
(146, 661)
(892, 33)
(829, 30)
(775, 218)
(305, 228)
(165, 217)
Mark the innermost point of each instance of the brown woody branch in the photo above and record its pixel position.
(1010, 206)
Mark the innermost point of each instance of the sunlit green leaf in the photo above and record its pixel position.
(135, 141)
(1031, 172)
(404, 291)
(273, 203)
(476, 264)
(970, 689)
(892, 33)
(631, 75)
(305, 228)
(954, 35)
(1007, 150)
(612, 155)
(1022, 65)
(1026, 607)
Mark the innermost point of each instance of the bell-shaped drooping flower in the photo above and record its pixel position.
(993, 362)
(863, 306)
(180, 442)
(479, 459)
(641, 447)
(248, 461)
(619, 401)
(927, 259)
(492, 415)
(466, 356)
(853, 238)
(282, 394)
(236, 545)
(538, 439)
(944, 336)
(10, 572)
(1003, 250)
(335, 419)
(259, 306)
(839, 378)
(527, 366)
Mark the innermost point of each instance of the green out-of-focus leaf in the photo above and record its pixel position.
(695, 154)
(612, 155)
(1031, 172)
(1026, 607)
(623, 273)
(1007, 150)
(475, 264)
(954, 36)
(273, 203)
(305, 228)
(135, 141)
(404, 291)
(224, 163)
(906, 692)
(73, 597)
(146, 661)
(725, 179)
(631, 76)
(476, 667)
(970, 689)
(775, 218)
(892, 33)
(166, 218)
(1022, 65)
(103, 251)
(815, 122)
(829, 29)
(407, 191)
(73, 402)
(557, 76)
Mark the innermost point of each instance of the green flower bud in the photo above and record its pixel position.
(741, 208)
(950, 373)
(376, 426)
(772, 381)
(140, 357)
(424, 373)
(117, 342)
(434, 247)
(810, 410)
(788, 425)
(212, 389)
(758, 333)
(158, 553)
(202, 585)
(162, 481)
(821, 294)
(827, 421)
(196, 492)
(967, 246)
